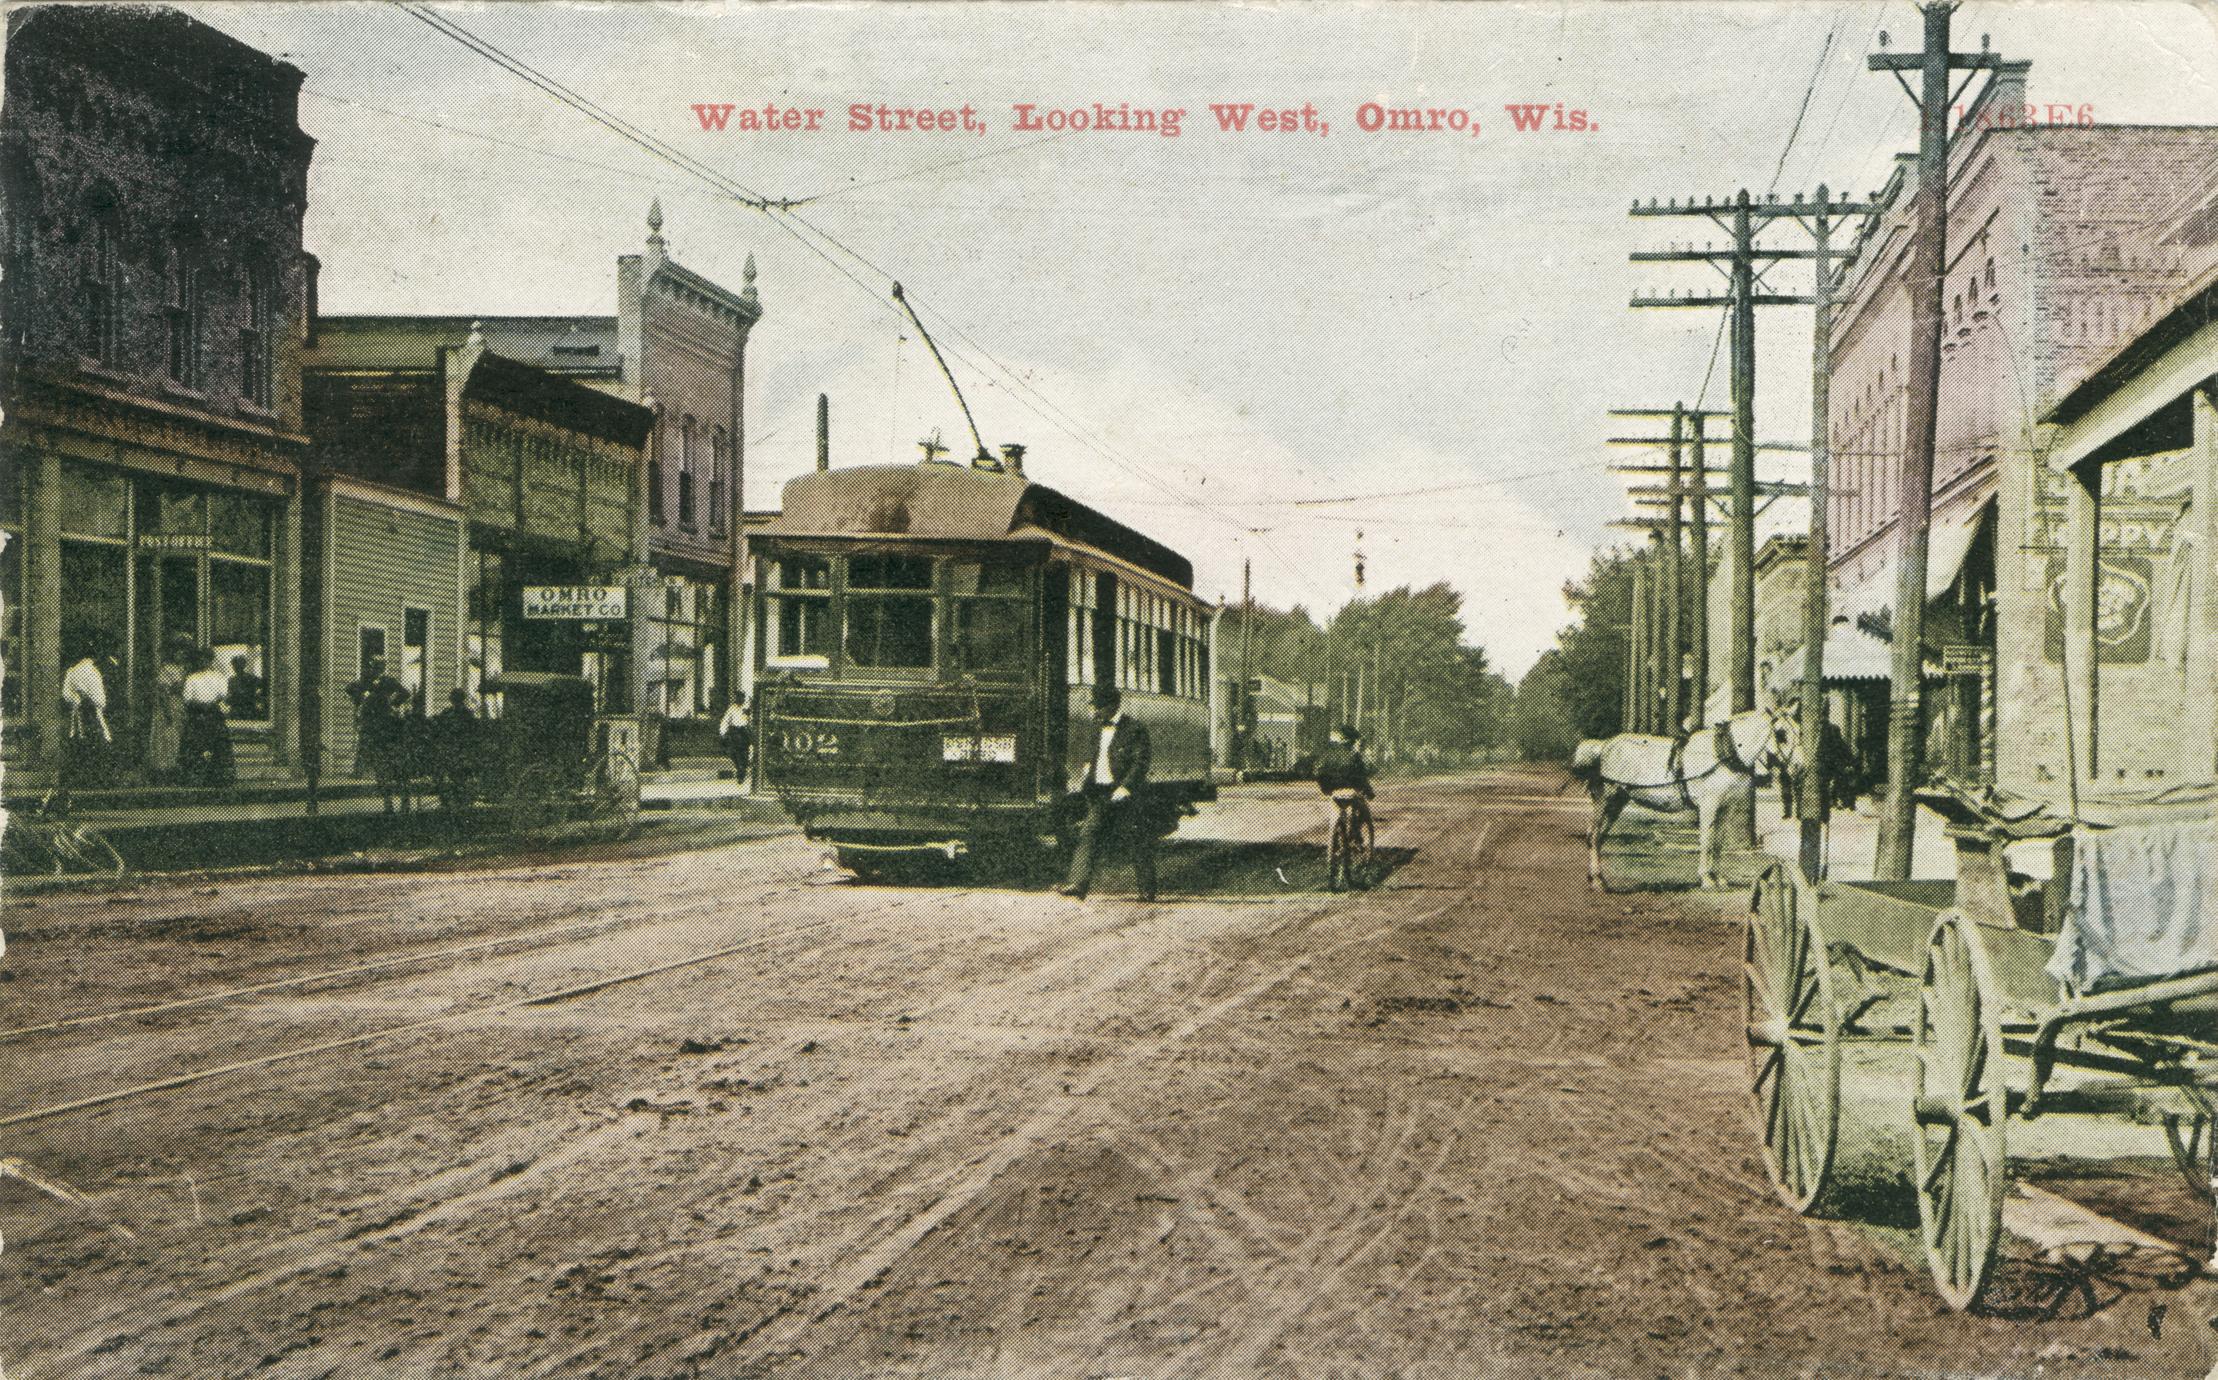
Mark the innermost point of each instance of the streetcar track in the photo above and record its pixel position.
(450, 1017)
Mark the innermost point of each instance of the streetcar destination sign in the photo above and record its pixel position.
(594, 602)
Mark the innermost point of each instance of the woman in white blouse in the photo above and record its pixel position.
(207, 738)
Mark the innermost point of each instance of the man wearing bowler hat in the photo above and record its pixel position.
(1116, 796)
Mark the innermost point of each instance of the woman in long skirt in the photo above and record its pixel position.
(165, 716)
(207, 738)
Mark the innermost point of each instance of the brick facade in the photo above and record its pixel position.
(154, 176)
(2063, 241)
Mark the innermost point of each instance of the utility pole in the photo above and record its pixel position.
(1928, 251)
(1674, 707)
(1811, 810)
(1244, 702)
(1743, 218)
(1637, 722)
(1686, 488)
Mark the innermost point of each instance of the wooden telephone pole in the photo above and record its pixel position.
(1686, 593)
(1928, 252)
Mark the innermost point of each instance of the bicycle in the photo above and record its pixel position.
(1348, 857)
(45, 840)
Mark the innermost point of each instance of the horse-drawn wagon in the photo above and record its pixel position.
(545, 758)
(2093, 991)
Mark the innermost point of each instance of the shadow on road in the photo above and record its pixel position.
(1194, 868)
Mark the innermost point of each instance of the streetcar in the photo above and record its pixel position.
(928, 639)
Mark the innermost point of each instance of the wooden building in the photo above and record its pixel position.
(2136, 451)
(451, 481)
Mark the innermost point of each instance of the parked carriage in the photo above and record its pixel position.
(929, 637)
(1967, 973)
(548, 756)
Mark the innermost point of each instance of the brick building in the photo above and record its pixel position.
(677, 343)
(2062, 241)
(154, 178)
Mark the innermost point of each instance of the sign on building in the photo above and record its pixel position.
(594, 603)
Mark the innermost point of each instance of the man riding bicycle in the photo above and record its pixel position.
(1346, 777)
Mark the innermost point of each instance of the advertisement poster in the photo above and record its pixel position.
(1107, 690)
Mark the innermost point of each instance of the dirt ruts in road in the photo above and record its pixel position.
(1478, 1122)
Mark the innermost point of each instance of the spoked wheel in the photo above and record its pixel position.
(1959, 1105)
(616, 787)
(88, 850)
(1338, 860)
(1793, 1033)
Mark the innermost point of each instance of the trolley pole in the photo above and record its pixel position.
(1928, 251)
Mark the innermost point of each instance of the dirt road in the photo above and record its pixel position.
(1475, 1123)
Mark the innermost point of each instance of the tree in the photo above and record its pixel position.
(1577, 689)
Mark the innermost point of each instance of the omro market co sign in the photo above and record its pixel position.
(600, 603)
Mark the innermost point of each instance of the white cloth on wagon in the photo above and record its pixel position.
(2144, 900)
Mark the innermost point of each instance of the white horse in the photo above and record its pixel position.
(1704, 772)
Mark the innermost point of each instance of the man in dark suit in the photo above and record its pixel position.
(1116, 796)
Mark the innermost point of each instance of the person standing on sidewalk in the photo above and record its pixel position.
(86, 736)
(1116, 797)
(738, 737)
(207, 737)
(165, 714)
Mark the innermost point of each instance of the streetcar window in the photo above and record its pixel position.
(889, 572)
(801, 572)
(980, 578)
(990, 616)
(800, 612)
(989, 635)
(1085, 597)
(889, 631)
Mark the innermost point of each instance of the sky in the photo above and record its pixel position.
(1268, 349)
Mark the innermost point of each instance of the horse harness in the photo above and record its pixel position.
(1723, 754)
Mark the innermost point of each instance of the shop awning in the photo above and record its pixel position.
(2152, 371)
(1948, 543)
(1851, 653)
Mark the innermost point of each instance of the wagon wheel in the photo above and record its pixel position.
(1793, 1032)
(616, 787)
(538, 795)
(1959, 1104)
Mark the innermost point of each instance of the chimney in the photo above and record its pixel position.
(1012, 458)
(823, 432)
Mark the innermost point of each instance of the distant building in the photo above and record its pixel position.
(456, 481)
(2063, 241)
(154, 177)
(677, 343)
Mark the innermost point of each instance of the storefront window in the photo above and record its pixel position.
(687, 641)
(239, 526)
(239, 633)
(484, 645)
(94, 503)
(96, 604)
